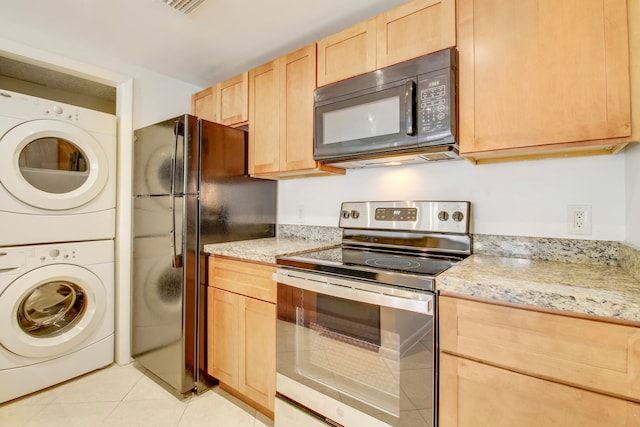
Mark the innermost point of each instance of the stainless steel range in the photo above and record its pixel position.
(357, 324)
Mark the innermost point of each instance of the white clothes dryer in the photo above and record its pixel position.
(57, 171)
(56, 314)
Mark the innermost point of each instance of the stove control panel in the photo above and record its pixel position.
(424, 216)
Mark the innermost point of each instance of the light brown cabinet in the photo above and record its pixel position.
(475, 394)
(415, 29)
(541, 78)
(511, 366)
(281, 117)
(233, 100)
(241, 329)
(405, 32)
(226, 102)
(204, 104)
(348, 53)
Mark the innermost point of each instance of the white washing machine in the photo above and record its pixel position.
(57, 171)
(56, 313)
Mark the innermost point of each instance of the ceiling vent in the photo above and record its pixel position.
(184, 6)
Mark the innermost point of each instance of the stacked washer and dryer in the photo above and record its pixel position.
(57, 229)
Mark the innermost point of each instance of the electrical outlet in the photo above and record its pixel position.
(579, 219)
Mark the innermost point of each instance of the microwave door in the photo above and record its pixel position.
(368, 123)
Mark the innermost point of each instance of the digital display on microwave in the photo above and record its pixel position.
(396, 214)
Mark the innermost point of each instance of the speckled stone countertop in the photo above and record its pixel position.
(599, 290)
(266, 250)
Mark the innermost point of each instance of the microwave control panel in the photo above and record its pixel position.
(434, 106)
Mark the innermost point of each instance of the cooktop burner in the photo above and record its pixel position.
(393, 263)
(400, 270)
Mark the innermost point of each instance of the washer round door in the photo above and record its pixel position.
(51, 310)
(52, 165)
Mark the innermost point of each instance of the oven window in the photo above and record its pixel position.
(347, 319)
(378, 360)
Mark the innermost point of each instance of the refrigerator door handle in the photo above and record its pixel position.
(176, 259)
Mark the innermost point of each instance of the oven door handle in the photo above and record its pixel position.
(354, 290)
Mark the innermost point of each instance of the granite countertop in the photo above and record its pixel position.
(598, 287)
(599, 290)
(266, 250)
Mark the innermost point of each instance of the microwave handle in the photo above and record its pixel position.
(410, 107)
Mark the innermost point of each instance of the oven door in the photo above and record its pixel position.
(370, 121)
(354, 352)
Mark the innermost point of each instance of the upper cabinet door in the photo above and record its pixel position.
(348, 53)
(538, 73)
(205, 103)
(233, 100)
(264, 119)
(415, 29)
(297, 83)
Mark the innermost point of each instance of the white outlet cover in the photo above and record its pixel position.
(573, 225)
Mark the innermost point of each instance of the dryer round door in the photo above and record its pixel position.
(51, 310)
(52, 165)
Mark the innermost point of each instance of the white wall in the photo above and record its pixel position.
(520, 198)
(632, 172)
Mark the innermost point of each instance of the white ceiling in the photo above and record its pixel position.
(217, 40)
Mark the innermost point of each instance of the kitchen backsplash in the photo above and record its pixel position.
(603, 252)
(630, 259)
(310, 232)
(548, 249)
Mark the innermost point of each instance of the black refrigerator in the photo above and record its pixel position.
(190, 188)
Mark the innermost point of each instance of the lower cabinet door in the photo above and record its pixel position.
(223, 324)
(242, 345)
(258, 334)
(475, 394)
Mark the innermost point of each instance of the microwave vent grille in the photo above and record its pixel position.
(433, 157)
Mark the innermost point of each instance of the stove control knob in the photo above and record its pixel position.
(443, 215)
(346, 214)
(355, 214)
(457, 216)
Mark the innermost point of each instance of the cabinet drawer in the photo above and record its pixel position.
(243, 277)
(474, 394)
(592, 354)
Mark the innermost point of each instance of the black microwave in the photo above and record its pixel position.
(407, 110)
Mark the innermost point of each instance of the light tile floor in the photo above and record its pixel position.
(122, 396)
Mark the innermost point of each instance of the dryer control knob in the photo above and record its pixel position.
(57, 109)
(54, 253)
